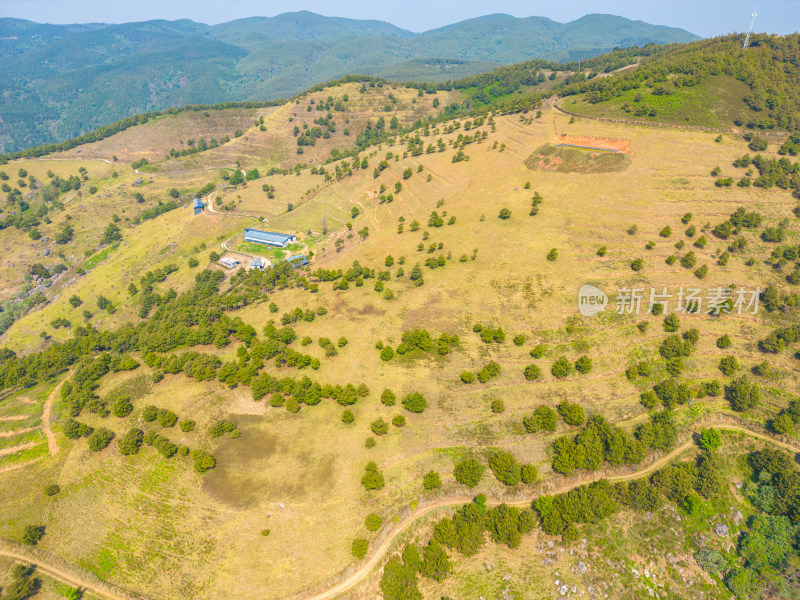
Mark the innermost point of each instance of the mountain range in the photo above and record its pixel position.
(64, 80)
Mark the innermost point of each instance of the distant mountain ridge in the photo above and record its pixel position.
(64, 80)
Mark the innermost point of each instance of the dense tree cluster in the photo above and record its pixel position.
(421, 340)
(599, 443)
(774, 172)
(490, 334)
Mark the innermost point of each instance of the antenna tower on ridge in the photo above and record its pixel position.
(750, 30)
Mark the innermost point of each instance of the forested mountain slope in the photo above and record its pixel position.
(120, 70)
(671, 83)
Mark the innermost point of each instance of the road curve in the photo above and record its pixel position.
(378, 555)
(68, 578)
(364, 570)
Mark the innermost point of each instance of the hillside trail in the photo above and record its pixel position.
(21, 465)
(365, 569)
(213, 211)
(12, 449)
(52, 446)
(64, 575)
(5, 434)
(69, 576)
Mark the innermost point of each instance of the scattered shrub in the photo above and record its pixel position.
(373, 522)
(469, 472)
(431, 481)
(543, 418)
(100, 439)
(561, 368)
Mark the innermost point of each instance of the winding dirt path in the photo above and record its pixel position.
(12, 449)
(20, 465)
(364, 570)
(52, 446)
(69, 576)
(5, 434)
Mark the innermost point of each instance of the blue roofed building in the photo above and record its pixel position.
(268, 238)
(198, 206)
(259, 263)
(297, 261)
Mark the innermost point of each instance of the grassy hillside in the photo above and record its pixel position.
(132, 68)
(457, 223)
(713, 82)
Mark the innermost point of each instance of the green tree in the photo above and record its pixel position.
(379, 427)
(373, 522)
(710, 439)
(130, 442)
(359, 548)
(742, 394)
(435, 563)
(469, 472)
(529, 474)
(372, 478)
(572, 413)
(543, 418)
(122, 407)
(100, 439)
(236, 177)
(415, 402)
(431, 480)
(399, 582)
(532, 372)
(767, 543)
(583, 365)
(561, 368)
(32, 534)
(111, 235)
(167, 418)
(505, 467)
(728, 365)
(671, 323)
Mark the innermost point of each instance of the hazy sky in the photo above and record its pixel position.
(703, 17)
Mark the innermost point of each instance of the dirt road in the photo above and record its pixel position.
(364, 570)
(52, 446)
(69, 578)
(379, 554)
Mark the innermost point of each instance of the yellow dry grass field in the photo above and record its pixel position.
(153, 525)
(276, 146)
(155, 138)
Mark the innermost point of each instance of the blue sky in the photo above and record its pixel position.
(703, 17)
